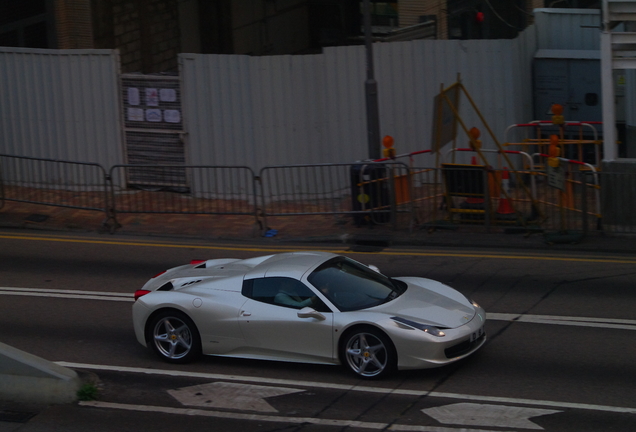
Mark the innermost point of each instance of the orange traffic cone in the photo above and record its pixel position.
(474, 200)
(504, 205)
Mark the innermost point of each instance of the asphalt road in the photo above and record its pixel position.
(559, 357)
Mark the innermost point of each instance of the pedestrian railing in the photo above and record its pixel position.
(180, 189)
(368, 192)
(618, 202)
(387, 193)
(54, 182)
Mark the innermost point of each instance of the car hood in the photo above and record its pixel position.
(430, 302)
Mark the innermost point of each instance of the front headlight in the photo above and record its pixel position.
(474, 303)
(434, 331)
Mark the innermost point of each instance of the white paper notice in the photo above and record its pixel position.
(168, 95)
(133, 96)
(135, 114)
(172, 116)
(152, 97)
(153, 115)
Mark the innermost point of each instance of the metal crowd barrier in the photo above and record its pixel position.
(371, 193)
(389, 194)
(618, 202)
(462, 194)
(54, 182)
(183, 189)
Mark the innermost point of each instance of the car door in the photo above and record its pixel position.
(274, 330)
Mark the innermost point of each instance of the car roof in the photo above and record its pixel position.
(289, 264)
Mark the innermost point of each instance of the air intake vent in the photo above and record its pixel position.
(190, 283)
(166, 287)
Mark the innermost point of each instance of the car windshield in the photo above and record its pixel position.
(351, 286)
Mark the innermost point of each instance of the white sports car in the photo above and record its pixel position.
(311, 307)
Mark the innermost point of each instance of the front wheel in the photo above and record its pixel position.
(368, 353)
(174, 337)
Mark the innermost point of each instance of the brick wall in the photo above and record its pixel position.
(146, 32)
(409, 12)
(73, 24)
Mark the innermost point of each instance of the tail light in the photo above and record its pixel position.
(197, 261)
(141, 293)
(158, 274)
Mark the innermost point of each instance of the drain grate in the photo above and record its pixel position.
(16, 416)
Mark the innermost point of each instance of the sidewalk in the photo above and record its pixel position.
(338, 229)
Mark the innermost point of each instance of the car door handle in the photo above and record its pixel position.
(245, 313)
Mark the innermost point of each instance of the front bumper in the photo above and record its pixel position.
(418, 350)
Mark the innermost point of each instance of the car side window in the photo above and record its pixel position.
(282, 291)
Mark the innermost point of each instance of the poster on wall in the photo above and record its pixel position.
(135, 114)
(153, 115)
(167, 95)
(133, 96)
(152, 97)
(172, 116)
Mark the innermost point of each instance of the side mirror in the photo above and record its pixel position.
(374, 268)
(308, 312)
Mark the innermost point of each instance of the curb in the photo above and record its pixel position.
(28, 378)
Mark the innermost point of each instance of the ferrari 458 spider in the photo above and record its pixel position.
(311, 307)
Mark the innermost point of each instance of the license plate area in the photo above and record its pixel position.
(477, 334)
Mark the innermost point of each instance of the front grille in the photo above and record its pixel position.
(463, 348)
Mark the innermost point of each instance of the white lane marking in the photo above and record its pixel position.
(332, 386)
(278, 419)
(622, 324)
(487, 415)
(613, 323)
(74, 294)
(246, 397)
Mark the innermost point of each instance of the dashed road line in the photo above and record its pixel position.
(611, 323)
(71, 294)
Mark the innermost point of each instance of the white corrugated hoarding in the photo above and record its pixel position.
(260, 111)
(284, 110)
(568, 29)
(61, 104)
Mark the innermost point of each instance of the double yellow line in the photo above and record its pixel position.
(334, 249)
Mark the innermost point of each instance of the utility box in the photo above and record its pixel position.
(370, 194)
(571, 78)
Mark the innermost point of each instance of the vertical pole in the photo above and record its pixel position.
(584, 200)
(607, 87)
(371, 90)
(487, 204)
(392, 198)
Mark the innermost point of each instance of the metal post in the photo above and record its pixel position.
(584, 201)
(487, 204)
(392, 197)
(610, 152)
(371, 90)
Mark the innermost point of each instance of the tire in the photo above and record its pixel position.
(174, 337)
(368, 353)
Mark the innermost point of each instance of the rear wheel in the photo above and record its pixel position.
(174, 337)
(368, 353)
